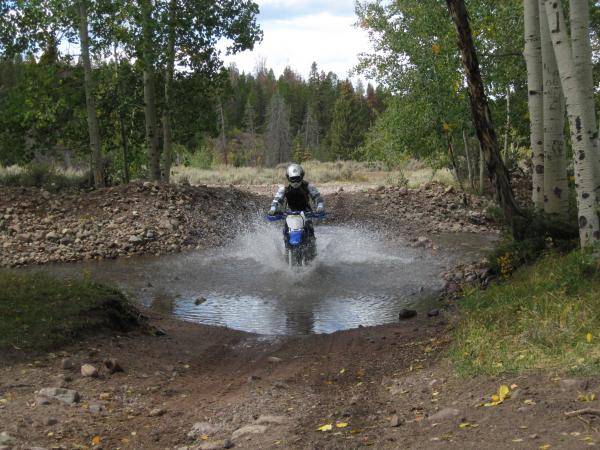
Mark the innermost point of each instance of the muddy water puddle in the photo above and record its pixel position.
(357, 279)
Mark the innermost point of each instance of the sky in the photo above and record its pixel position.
(298, 32)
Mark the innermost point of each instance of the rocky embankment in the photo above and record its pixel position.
(37, 226)
(415, 213)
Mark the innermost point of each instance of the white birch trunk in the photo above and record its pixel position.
(556, 188)
(581, 125)
(582, 69)
(92, 115)
(533, 58)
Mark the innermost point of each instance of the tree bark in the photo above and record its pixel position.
(481, 169)
(90, 101)
(535, 84)
(583, 127)
(482, 118)
(507, 126)
(169, 73)
(556, 188)
(150, 113)
(124, 149)
(222, 128)
(469, 171)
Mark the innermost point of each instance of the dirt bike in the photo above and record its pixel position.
(298, 236)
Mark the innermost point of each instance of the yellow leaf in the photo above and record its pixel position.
(502, 394)
(446, 126)
(341, 425)
(204, 437)
(435, 48)
(589, 337)
(529, 402)
(544, 447)
(96, 440)
(326, 427)
(468, 425)
(342, 371)
(586, 397)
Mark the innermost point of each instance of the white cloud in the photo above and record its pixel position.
(330, 39)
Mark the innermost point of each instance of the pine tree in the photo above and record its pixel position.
(349, 123)
(278, 136)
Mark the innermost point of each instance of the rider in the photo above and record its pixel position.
(297, 196)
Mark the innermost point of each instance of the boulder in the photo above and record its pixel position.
(87, 370)
(405, 314)
(249, 429)
(202, 428)
(444, 414)
(271, 420)
(68, 396)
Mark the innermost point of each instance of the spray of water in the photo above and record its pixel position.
(262, 242)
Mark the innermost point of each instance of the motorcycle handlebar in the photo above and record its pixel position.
(308, 215)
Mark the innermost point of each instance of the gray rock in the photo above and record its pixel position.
(95, 408)
(201, 428)
(49, 421)
(68, 396)
(199, 301)
(405, 314)
(113, 365)
(66, 364)
(6, 439)
(444, 414)
(433, 313)
(136, 240)
(395, 421)
(248, 429)
(157, 412)
(52, 236)
(271, 420)
(214, 445)
(87, 370)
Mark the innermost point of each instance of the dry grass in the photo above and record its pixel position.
(343, 172)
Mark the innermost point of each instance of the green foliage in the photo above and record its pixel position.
(39, 312)
(538, 319)
(417, 59)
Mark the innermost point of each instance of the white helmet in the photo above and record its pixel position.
(295, 175)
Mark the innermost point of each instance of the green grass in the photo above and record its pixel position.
(39, 312)
(538, 319)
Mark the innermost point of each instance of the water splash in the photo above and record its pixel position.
(358, 278)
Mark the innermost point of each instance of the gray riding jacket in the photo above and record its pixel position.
(303, 198)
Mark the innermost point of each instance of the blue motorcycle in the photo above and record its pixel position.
(298, 236)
